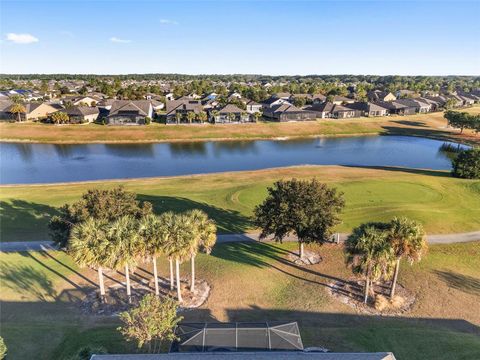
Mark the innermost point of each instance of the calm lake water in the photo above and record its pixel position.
(46, 163)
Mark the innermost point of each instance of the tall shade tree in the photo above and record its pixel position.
(108, 205)
(153, 320)
(407, 238)
(205, 238)
(87, 246)
(153, 236)
(370, 253)
(467, 164)
(308, 208)
(124, 247)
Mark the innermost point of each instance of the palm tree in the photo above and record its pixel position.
(408, 240)
(153, 237)
(18, 109)
(231, 117)
(370, 253)
(191, 116)
(215, 114)
(124, 249)
(205, 238)
(168, 219)
(202, 116)
(257, 115)
(87, 247)
(178, 117)
(179, 246)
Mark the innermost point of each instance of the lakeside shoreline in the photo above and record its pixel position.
(431, 125)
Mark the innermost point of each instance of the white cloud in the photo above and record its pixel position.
(117, 40)
(168, 22)
(21, 38)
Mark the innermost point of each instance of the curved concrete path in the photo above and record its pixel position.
(225, 238)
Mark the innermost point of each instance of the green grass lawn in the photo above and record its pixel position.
(442, 203)
(253, 282)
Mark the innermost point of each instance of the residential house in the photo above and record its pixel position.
(81, 114)
(339, 100)
(323, 110)
(405, 94)
(85, 100)
(367, 109)
(253, 107)
(410, 103)
(169, 97)
(344, 112)
(4, 107)
(378, 95)
(230, 113)
(397, 108)
(234, 96)
(318, 98)
(288, 112)
(35, 111)
(273, 102)
(130, 112)
(182, 107)
(282, 95)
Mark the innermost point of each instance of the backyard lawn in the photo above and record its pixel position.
(427, 125)
(41, 318)
(442, 203)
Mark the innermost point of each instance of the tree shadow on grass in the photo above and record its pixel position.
(410, 123)
(437, 173)
(228, 221)
(465, 283)
(18, 215)
(266, 255)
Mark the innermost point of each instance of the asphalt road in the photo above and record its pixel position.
(224, 238)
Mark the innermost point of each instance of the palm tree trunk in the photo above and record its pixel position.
(171, 273)
(127, 277)
(179, 290)
(300, 249)
(395, 276)
(192, 284)
(367, 289)
(155, 275)
(101, 284)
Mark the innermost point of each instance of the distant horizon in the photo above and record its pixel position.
(282, 38)
(234, 74)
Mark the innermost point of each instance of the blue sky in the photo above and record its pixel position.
(222, 37)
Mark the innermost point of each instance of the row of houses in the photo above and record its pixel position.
(194, 108)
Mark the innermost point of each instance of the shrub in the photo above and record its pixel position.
(467, 164)
(86, 352)
(148, 120)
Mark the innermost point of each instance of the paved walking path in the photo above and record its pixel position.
(225, 238)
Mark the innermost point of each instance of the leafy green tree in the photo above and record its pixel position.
(59, 117)
(257, 115)
(231, 117)
(307, 208)
(299, 101)
(457, 119)
(106, 205)
(17, 109)
(370, 253)
(154, 319)
(124, 247)
(154, 236)
(88, 245)
(3, 349)
(407, 238)
(467, 164)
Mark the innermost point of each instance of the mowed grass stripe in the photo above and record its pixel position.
(442, 203)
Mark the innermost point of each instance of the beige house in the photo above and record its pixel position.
(86, 100)
(35, 111)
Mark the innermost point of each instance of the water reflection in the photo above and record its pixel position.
(41, 163)
(234, 147)
(130, 150)
(181, 149)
